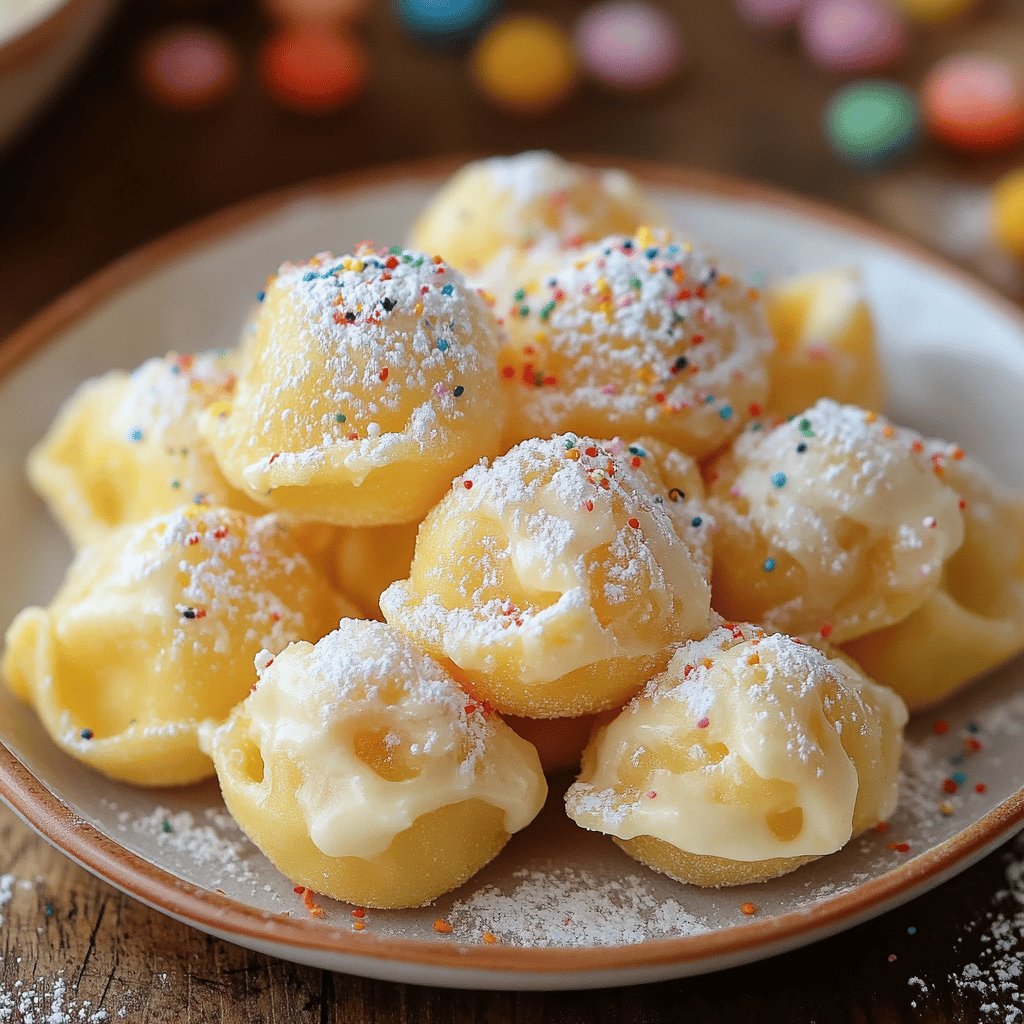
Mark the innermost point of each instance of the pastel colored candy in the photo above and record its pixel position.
(446, 22)
(188, 68)
(1008, 213)
(974, 103)
(526, 64)
(871, 123)
(852, 36)
(629, 45)
(770, 14)
(313, 70)
(935, 11)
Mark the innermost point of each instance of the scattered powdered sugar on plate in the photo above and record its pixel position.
(216, 845)
(562, 906)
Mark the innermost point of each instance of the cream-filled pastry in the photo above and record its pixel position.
(751, 755)
(836, 523)
(975, 619)
(641, 334)
(511, 210)
(366, 560)
(553, 580)
(126, 446)
(824, 342)
(363, 772)
(368, 384)
(154, 631)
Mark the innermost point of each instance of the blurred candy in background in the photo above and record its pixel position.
(916, 96)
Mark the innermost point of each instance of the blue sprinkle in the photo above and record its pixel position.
(442, 344)
(458, 391)
(779, 479)
(769, 565)
(86, 734)
(959, 778)
(696, 521)
(651, 253)
(48, 908)
(801, 448)
(725, 412)
(448, 289)
(957, 759)
(709, 399)
(973, 727)
(912, 930)
(635, 449)
(260, 296)
(135, 435)
(309, 276)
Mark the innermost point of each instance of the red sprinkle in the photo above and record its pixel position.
(634, 522)
(826, 631)
(383, 374)
(703, 723)
(900, 847)
(980, 788)
(468, 484)
(359, 912)
(949, 786)
(941, 727)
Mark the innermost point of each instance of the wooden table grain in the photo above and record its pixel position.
(104, 172)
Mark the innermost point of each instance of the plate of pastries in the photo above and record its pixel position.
(600, 575)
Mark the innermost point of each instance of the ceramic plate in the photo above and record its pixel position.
(568, 908)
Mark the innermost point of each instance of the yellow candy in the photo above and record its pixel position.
(1008, 213)
(935, 11)
(525, 63)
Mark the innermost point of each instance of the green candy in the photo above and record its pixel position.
(871, 123)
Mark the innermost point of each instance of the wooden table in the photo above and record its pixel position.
(104, 172)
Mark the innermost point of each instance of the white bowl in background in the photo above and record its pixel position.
(39, 53)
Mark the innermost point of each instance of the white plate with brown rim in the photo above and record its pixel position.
(568, 908)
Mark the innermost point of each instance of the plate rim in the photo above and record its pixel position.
(167, 892)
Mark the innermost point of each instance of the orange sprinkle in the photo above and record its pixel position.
(442, 927)
(887, 431)
(754, 659)
(490, 938)
(574, 454)
(870, 417)
(358, 925)
(749, 909)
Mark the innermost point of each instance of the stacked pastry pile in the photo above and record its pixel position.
(559, 487)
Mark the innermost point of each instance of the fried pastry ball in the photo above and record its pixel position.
(509, 208)
(368, 384)
(126, 446)
(975, 620)
(360, 769)
(750, 756)
(559, 741)
(553, 580)
(368, 559)
(638, 335)
(824, 342)
(155, 629)
(834, 524)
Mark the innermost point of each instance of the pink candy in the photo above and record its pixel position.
(630, 46)
(769, 14)
(852, 36)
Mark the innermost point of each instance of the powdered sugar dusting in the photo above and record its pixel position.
(568, 907)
